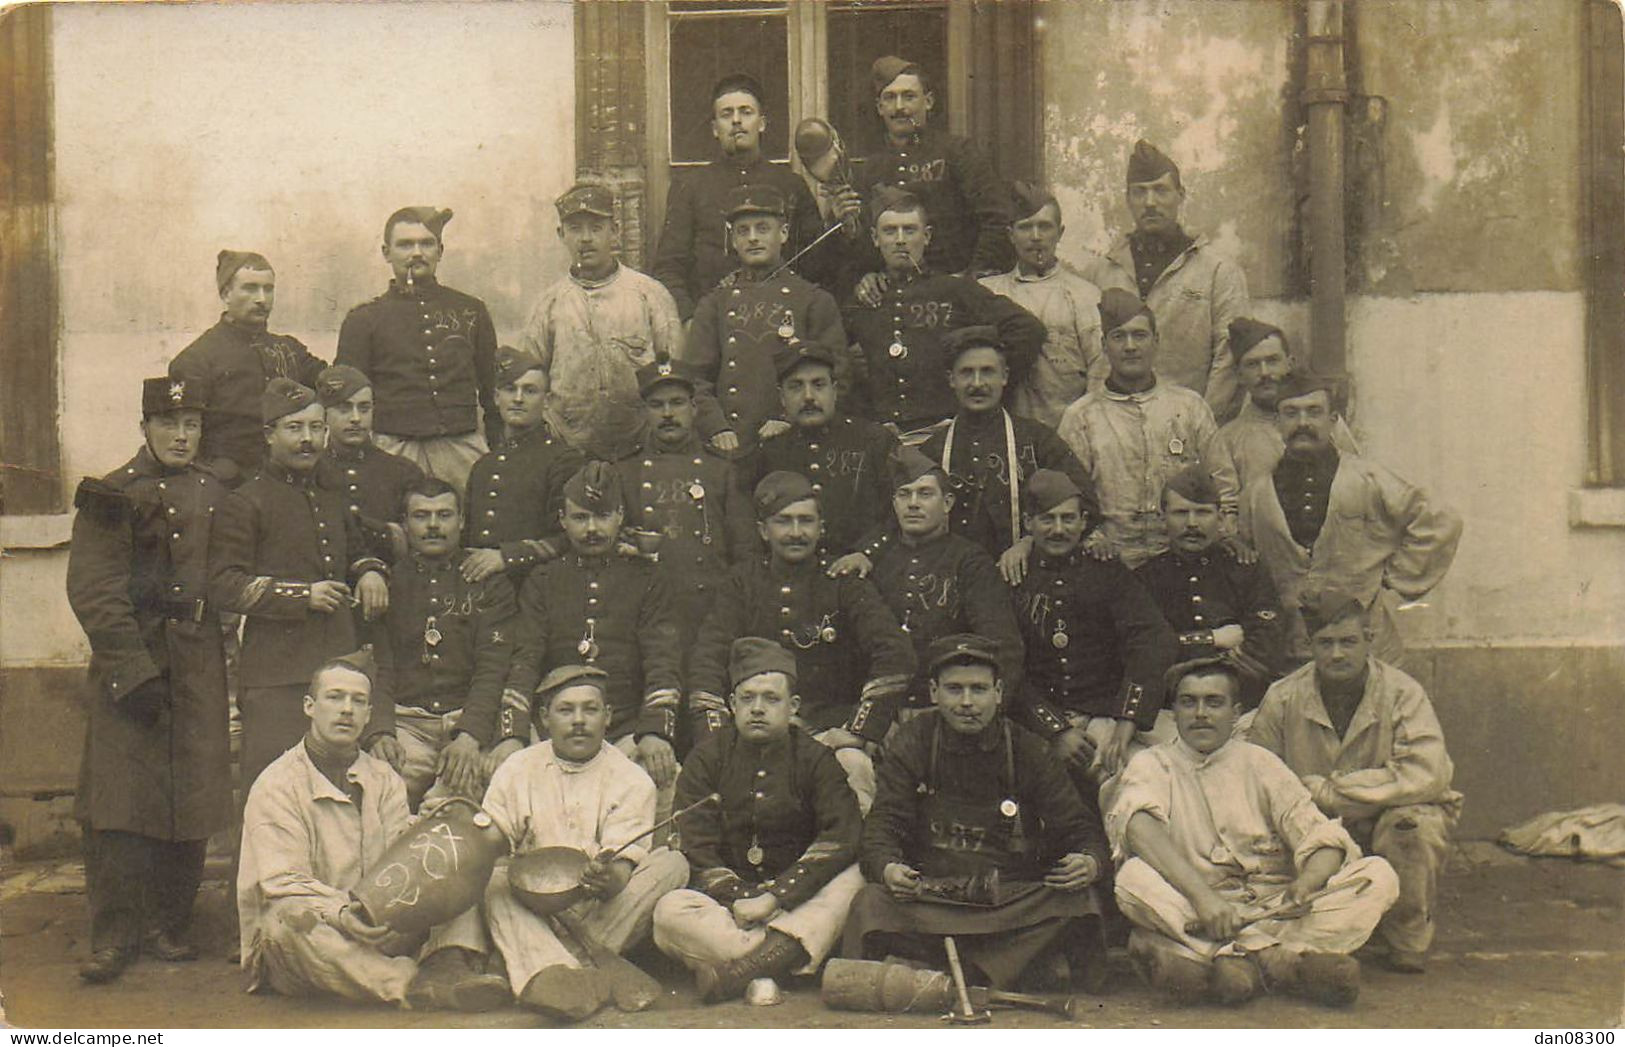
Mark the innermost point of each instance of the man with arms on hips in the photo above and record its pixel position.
(1367, 744)
(429, 350)
(1234, 881)
(773, 871)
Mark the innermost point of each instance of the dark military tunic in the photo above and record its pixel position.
(1201, 592)
(693, 498)
(736, 330)
(1304, 488)
(277, 534)
(846, 462)
(615, 612)
(911, 390)
(1096, 643)
(231, 364)
(981, 478)
(373, 484)
(968, 203)
(694, 255)
(138, 583)
(515, 493)
(852, 661)
(431, 354)
(789, 797)
(445, 644)
(947, 585)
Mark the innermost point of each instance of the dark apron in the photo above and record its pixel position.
(961, 837)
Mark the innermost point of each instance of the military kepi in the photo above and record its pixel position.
(585, 198)
(1118, 307)
(566, 675)
(433, 219)
(162, 395)
(1194, 484)
(513, 363)
(957, 648)
(752, 655)
(595, 487)
(786, 358)
(1148, 163)
(756, 199)
(338, 383)
(1047, 488)
(282, 397)
(661, 371)
(779, 489)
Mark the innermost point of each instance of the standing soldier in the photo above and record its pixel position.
(901, 336)
(228, 365)
(1135, 431)
(516, 490)
(757, 308)
(613, 613)
(593, 328)
(1193, 291)
(1071, 362)
(950, 174)
(429, 351)
(844, 456)
(155, 778)
(853, 663)
(281, 554)
(442, 650)
(686, 495)
(372, 482)
(694, 252)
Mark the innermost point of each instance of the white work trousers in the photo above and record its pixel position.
(302, 955)
(698, 930)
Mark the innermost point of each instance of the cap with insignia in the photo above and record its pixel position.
(755, 199)
(227, 263)
(565, 676)
(963, 339)
(1302, 383)
(1047, 488)
(431, 218)
(1148, 163)
(282, 397)
(595, 487)
(1194, 484)
(1324, 607)
(162, 395)
(338, 383)
(888, 68)
(752, 655)
(960, 648)
(1245, 333)
(1028, 198)
(513, 363)
(661, 370)
(893, 198)
(786, 358)
(586, 198)
(906, 464)
(779, 489)
(361, 661)
(1118, 307)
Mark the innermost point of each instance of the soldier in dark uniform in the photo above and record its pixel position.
(430, 353)
(373, 482)
(155, 778)
(596, 607)
(951, 174)
(967, 795)
(773, 866)
(853, 663)
(844, 456)
(229, 364)
(516, 491)
(280, 554)
(1217, 605)
(1096, 644)
(935, 582)
(905, 363)
(443, 650)
(685, 499)
(693, 255)
(755, 310)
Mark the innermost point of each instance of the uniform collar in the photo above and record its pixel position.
(985, 741)
(570, 766)
(1056, 563)
(340, 453)
(519, 438)
(592, 285)
(779, 569)
(1025, 278)
(1197, 759)
(979, 420)
(288, 476)
(419, 287)
(688, 448)
(1324, 460)
(1201, 559)
(1112, 393)
(328, 767)
(908, 279)
(440, 564)
(589, 562)
(242, 331)
(742, 167)
(922, 543)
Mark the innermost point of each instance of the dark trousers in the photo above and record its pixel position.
(273, 722)
(138, 883)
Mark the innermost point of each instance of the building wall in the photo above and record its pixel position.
(1466, 329)
(292, 129)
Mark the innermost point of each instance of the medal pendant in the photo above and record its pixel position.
(827, 634)
(1060, 639)
(897, 350)
(432, 636)
(754, 853)
(587, 649)
(696, 491)
(1176, 446)
(787, 330)
(1008, 807)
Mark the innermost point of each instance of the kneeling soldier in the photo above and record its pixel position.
(774, 870)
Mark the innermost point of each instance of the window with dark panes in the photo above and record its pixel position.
(861, 33)
(1604, 179)
(712, 40)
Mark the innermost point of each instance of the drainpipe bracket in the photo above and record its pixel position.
(1326, 96)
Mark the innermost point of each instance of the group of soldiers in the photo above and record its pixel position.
(912, 565)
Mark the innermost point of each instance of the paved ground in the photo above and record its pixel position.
(1523, 943)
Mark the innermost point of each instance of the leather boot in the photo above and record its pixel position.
(108, 964)
(167, 947)
(570, 993)
(1165, 967)
(1331, 979)
(454, 979)
(778, 955)
(1234, 980)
